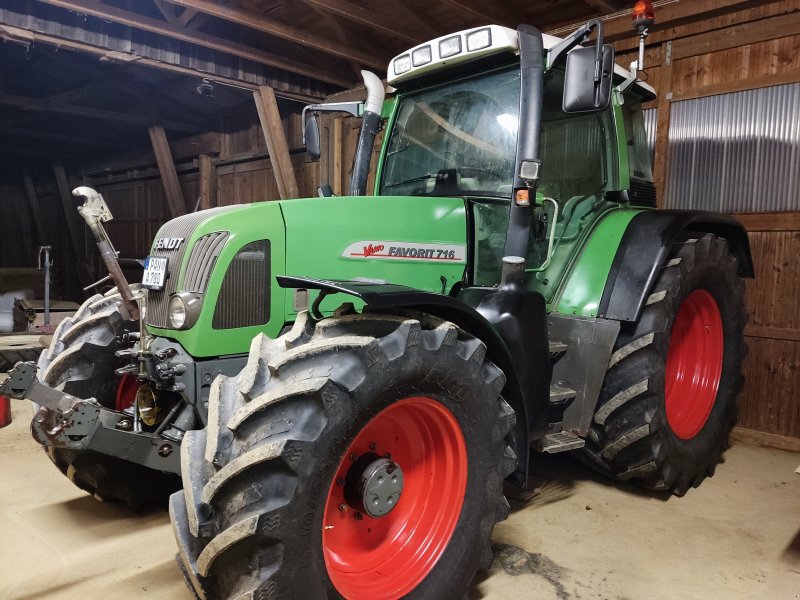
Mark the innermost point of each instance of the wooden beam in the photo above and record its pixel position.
(747, 83)
(93, 113)
(208, 182)
(35, 207)
(421, 23)
(771, 221)
(167, 11)
(662, 127)
(75, 225)
(362, 16)
(737, 35)
(278, 149)
(772, 333)
(166, 167)
(261, 22)
(752, 437)
(487, 12)
(604, 6)
(62, 137)
(144, 23)
(334, 24)
(669, 14)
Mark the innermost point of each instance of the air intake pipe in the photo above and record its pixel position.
(370, 125)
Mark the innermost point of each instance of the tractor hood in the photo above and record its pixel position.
(228, 258)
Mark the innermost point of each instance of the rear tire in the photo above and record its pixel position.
(81, 362)
(674, 441)
(264, 512)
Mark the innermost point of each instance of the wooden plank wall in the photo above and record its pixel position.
(740, 50)
(770, 400)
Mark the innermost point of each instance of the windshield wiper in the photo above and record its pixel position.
(425, 177)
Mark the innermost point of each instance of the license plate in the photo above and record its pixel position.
(155, 272)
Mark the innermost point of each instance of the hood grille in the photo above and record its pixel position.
(202, 260)
(180, 227)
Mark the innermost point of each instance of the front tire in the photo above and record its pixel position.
(267, 509)
(81, 362)
(668, 402)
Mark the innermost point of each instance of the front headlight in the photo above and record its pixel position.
(184, 308)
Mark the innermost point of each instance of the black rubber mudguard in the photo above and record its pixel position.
(511, 322)
(645, 246)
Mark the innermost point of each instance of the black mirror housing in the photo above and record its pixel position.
(581, 92)
(311, 137)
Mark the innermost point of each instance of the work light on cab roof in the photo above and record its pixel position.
(451, 50)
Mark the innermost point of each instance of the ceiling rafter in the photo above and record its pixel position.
(138, 21)
(333, 21)
(604, 6)
(362, 16)
(260, 22)
(34, 104)
(484, 12)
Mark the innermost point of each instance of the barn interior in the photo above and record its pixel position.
(168, 107)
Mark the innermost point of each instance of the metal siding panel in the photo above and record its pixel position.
(737, 152)
(651, 129)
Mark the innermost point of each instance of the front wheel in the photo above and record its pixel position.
(360, 456)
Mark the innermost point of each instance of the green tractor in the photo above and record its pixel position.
(345, 384)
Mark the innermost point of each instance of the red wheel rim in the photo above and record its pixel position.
(694, 364)
(387, 557)
(127, 386)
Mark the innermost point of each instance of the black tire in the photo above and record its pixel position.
(631, 437)
(81, 362)
(249, 521)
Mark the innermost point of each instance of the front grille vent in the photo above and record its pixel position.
(202, 260)
(179, 227)
(244, 296)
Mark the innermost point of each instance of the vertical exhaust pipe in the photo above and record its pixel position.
(370, 125)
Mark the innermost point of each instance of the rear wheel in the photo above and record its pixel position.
(669, 397)
(359, 456)
(81, 362)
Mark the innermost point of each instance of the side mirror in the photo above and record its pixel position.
(587, 88)
(311, 137)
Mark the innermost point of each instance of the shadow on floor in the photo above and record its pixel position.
(555, 477)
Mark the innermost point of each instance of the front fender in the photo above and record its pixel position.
(515, 334)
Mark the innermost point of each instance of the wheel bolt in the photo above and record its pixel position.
(353, 456)
(342, 507)
(372, 446)
(358, 516)
(340, 481)
(387, 455)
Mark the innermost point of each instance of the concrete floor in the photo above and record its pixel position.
(736, 537)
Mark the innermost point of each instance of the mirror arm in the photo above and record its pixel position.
(352, 108)
(576, 38)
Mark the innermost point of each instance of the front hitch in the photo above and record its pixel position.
(64, 421)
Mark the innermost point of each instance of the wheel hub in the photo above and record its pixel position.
(374, 485)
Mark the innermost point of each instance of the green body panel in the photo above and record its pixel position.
(583, 286)
(320, 230)
(623, 165)
(314, 234)
(245, 224)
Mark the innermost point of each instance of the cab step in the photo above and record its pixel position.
(561, 441)
(557, 347)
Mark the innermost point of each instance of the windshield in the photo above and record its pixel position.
(456, 139)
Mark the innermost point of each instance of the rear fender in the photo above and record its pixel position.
(645, 246)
